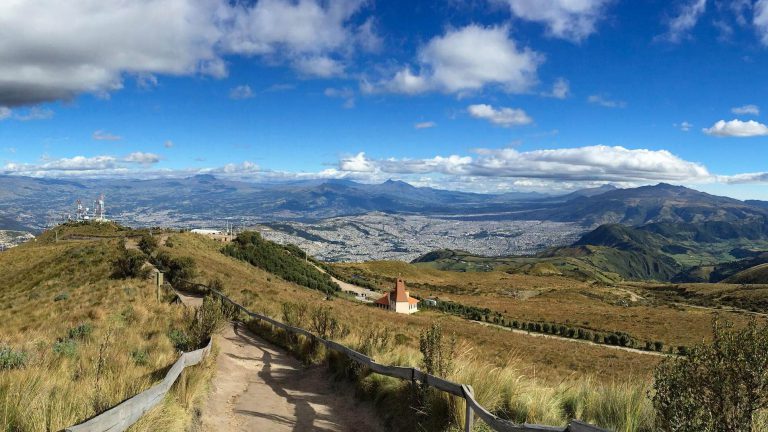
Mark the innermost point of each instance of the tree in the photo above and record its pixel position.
(717, 387)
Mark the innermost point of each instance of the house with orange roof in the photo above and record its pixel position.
(399, 300)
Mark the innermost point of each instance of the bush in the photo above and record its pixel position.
(177, 270)
(325, 325)
(718, 386)
(61, 297)
(148, 244)
(437, 354)
(140, 357)
(80, 332)
(10, 359)
(179, 339)
(66, 347)
(129, 264)
(203, 322)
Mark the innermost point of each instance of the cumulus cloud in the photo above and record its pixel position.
(606, 102)
(168, 144)
(565, 19)
(5, 113)
(241, 92)
(142, 158)
(468, 59)
(319, 66)
(592, 163)
(746, 110)
(101, 135)
(505, 117)
(737, 128)
(54, 50)
(680, 25)
(424, 125)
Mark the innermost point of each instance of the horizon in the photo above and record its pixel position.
(604, 92)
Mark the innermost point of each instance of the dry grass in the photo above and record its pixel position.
(558, 300)
(49, 288)
(523, 378)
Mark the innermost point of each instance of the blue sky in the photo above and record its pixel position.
(486, 95)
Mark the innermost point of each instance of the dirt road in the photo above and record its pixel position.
(259, 387)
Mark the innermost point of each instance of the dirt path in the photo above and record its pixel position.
(258, 387)
(346, 286)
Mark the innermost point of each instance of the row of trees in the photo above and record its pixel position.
(287, 262)
(616, 338)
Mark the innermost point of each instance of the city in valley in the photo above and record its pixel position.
(380, 236)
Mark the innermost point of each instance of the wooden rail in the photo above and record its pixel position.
(122, 416)
(413, 374)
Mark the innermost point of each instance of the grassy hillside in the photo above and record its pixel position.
(533, 375)
(80, 341)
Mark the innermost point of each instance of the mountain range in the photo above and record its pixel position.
(29, 203)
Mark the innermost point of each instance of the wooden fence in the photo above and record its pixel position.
(413, 374)
(122, 416)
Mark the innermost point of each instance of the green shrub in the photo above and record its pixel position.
(179, 339)
(61, 297)
(148, 244)
(80, 332)
(10, 359)
(129, 264)
(325, 325)
(720, 386)
(437, 354)
(177, 270)
(66, 347)
(140, 357)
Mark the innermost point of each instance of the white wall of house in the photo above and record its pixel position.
(405, 307)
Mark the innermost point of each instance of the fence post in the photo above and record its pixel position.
(469, 415)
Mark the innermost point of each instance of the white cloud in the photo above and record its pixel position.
(505, 117)
(684, 126)
(241, 92)
(561, 89)
(687, 17)
(5, 112)
(760, 20)
(468, 59)
(737, 128)
(101, 135)
(592, 163)
(573, 20)
(357, 163)
(424, 125)
(319, 66)
(142, 158)
(746, 110)
(168, 144)
(605, 102)
(55, 50)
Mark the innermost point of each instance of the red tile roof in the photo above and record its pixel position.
(399, 295)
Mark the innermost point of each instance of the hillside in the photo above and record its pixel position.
(63, 314)
(652, 204)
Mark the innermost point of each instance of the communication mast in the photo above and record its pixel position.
(80, 211)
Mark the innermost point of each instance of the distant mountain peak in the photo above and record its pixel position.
(204, 177)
